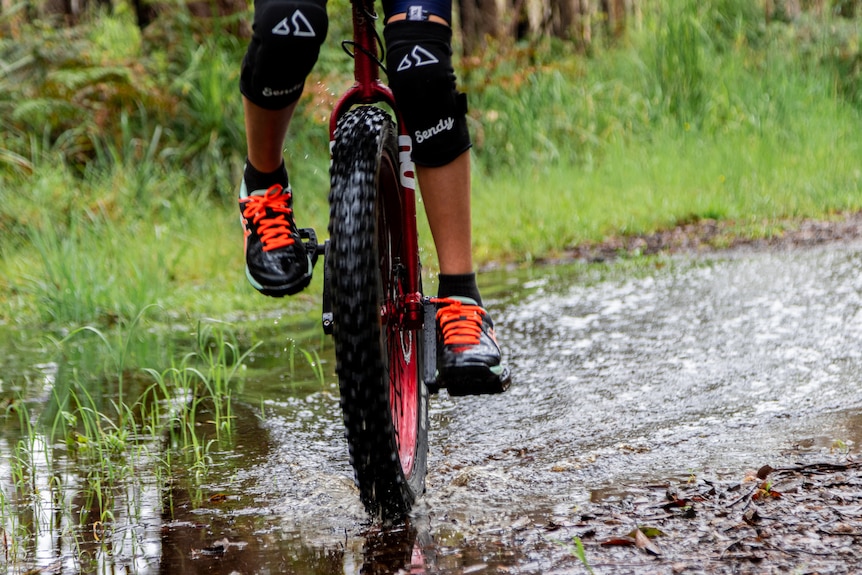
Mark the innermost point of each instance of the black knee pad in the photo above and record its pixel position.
(284, 47)
(419, 64)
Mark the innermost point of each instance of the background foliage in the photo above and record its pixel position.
(121, 145)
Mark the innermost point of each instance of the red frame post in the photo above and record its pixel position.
(369, 89)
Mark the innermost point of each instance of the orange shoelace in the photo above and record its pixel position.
(268, 212)
(461, 323)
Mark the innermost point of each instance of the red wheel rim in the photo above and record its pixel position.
(404, 392)
(402, 344)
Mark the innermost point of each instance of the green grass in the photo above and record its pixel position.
(660, 132)
(714, 114)
(682, 175)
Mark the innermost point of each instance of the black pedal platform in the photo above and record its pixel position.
(309, 240)
(429, 359)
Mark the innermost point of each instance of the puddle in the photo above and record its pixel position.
(626, 379)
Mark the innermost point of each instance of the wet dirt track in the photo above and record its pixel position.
(631, 390)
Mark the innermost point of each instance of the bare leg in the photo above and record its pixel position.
(265, 131)
(446, 194)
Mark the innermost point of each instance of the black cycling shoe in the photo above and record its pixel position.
(469, 360)
(277, 262)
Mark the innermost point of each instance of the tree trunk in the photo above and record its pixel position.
(615, 11)
(201, 11)
(479, 19)
(584, 24)
(782, 10)
(13, 17)
(562, 18)
(70, 11)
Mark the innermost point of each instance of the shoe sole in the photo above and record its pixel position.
(476, 381)
(282, 290)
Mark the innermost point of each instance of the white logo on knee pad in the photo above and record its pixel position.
(298, 26)
(418, 56)
(444, 125)
(271, 93)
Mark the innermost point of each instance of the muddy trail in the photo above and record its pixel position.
(694, 415)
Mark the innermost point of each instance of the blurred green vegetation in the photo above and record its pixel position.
(121, 150)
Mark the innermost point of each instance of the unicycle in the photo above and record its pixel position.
(382, 325)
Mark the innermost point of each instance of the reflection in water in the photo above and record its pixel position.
(56, 515)
(395, 550)
(238, 547)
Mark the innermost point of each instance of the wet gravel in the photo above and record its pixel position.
(803, 518)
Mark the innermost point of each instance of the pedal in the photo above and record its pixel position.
(481, 385)
(309, 240)
(429, 361)
(315, 250)
(326, 316)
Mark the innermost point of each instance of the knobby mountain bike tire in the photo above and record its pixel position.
(378, 358)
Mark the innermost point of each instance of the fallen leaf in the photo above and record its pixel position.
(520, 523)
(98, 530)
(675, 503)
(648, 531)
(618, 542)
(644, 542)
(764, 471)
(751, 516)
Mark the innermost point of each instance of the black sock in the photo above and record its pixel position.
(459, 284)
(257, 180)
